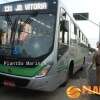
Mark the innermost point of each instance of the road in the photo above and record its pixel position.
(81, 78)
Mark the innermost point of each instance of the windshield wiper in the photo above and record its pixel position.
(13, 30)
(13, 26)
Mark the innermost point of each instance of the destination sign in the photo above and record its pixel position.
(24, 7)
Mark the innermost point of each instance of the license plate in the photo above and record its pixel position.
(9, 83)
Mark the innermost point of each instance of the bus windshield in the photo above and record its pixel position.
(27, 35)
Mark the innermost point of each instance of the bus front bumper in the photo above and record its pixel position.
(35, 83)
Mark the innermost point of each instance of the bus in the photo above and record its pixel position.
(41, 46)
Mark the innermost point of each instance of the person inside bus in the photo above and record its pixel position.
(25, 30)
(96, 61)
(2, 37)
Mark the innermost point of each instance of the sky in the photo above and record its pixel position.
(93, 8)
(90, 6)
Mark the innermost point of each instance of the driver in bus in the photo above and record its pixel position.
(25, 30)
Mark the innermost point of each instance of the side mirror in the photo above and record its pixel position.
(64, 26)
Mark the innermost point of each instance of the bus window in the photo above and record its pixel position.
(79, 34)
(73, 36)
(82, 37)
(33, 39)
(75, 29)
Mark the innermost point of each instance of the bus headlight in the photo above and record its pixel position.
(44, 71)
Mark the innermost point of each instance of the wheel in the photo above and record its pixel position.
(63, 84)
(71, 68)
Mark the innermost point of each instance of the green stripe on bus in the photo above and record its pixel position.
(25, 72)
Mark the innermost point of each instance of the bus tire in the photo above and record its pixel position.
(71, 68)
(63, 84)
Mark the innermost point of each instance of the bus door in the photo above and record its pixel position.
(63, 36)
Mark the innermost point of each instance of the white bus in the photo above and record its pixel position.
(40, 44)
